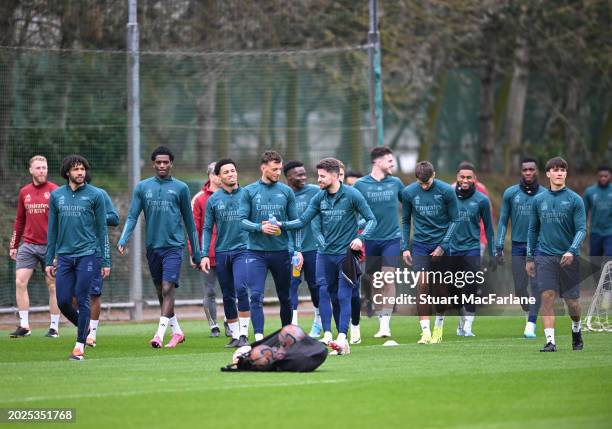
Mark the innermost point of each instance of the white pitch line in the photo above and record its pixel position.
(151, 392)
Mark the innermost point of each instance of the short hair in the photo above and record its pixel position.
(219, 164)
(291, 165)
(604, 168)
(270, 156)
(424, 170)
(72, 161)
(37, 158)
(465, 165)
(162, 150)
(342, 166)
(211, 168)
(529, 159)
(331, 165)
(379, 152)
(556, 162)
(352, 173)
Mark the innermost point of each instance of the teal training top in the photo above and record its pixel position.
(467, 232)
(516, 206)
(433, 212)
(223, 209)
(383, 197)
(112, 218)
(258, 202)
(338, 214)
(302, 199)
(598, 202)
(557, 223)
(164, 202)
(77, 224)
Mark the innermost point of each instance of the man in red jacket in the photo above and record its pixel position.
(198, 206)
(31, 226)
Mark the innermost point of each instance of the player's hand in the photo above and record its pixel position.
(492, 264)
(268, 228)
(205, 264)
(567, 259)
(121, 249)
(13, 254)
(438, 251)
(356, 244)
(500, 257)
(105, 272)
(530, 268)
(50, 271)
(301, 260)
(407, 257)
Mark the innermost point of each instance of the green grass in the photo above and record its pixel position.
(496, 379)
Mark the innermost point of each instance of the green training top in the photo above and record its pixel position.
(77, 224)
(338, 218)
(557, 223)
(302, 199)
(223, 209)
(164, 202)
(516, 206)
(433, 212)
(598, 201)
(383, 197)
(467, 232)
(259, 201)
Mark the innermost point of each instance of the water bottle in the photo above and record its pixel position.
(295, 262)
(273, 221)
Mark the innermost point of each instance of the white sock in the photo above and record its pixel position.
(235, 328)
(244, 326)
(467, 325)
(258, 337)
(93, 328)
(174, 324)
(317, 318)
(549, 333)
(424, 325)
(161, 328)
(576, 326)
(213, 325)
(439, 321)
(79, 346)
(23, 319)
(341, 339)
(294, 319)
(383, 321)
(531, 327)
(54, 322)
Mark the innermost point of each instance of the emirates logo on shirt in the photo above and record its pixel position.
(47, 195)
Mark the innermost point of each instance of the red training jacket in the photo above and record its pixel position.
(32, 214)
(198, 207)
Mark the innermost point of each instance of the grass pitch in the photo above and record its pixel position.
(497, 379)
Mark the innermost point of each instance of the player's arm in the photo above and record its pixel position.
(587, 202)
(453, 214)
(532, 238)
(406, 219)
(363, 209)
(245, 214)
(198, 218)
(485, 215)
(580, 227)
(207, 230)
(112, 217)
(102, 233)
(311, 211)
(187, 215)
(296, 236)
(132, 219)
(51, 237)
(18, 226)
(504, 216)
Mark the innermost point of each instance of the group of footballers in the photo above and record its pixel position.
(237, 234)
